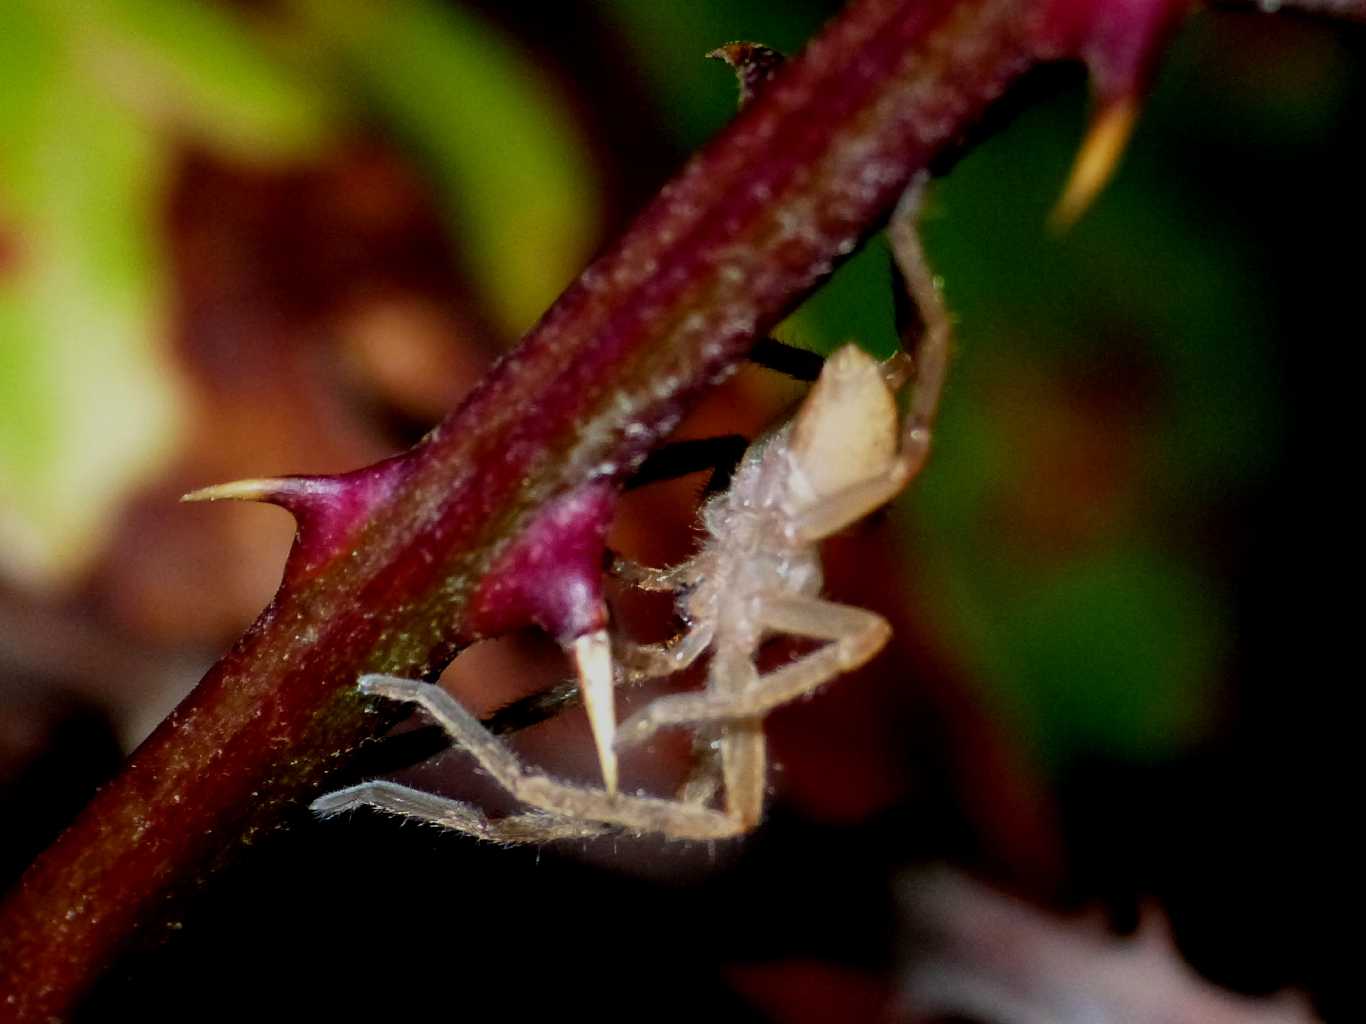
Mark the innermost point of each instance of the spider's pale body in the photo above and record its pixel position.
(745, 554)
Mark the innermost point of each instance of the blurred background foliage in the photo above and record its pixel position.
(245, 238)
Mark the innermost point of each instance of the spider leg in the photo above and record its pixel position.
(634, 663)
(650, 661)
(679, 458)
(570, 806)
(855, 635)
(743, 748)
(925, 329)
(925, 336)
(672, 578)
(834, 512)
(406, 802)
(732, 748)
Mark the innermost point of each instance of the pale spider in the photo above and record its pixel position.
(758, 573)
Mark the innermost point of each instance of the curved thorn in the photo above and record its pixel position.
(1096, 160)
(298, 494)
(593, 662)
(260, 489)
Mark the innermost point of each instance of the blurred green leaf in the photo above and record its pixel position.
(1133, 670)
(88, 407)
(197, 68)
(1113, 644)
(500, 141)
(91, 99)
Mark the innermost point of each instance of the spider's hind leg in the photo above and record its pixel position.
(414, 804)
(567, 810)
(855, 635)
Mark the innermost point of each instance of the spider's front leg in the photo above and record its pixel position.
(854, 414)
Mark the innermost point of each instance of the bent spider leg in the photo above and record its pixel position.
(669, 579)
(855, 634)
(650, 661)
(742, 747)
(406, 802)
(925, 338)
(560, 800)
(634, 663)
(930, 350)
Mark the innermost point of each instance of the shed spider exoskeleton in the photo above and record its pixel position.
(758, 573)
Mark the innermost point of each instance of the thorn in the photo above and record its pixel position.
(1096, 160)
(754, 65)
(593, 661)
(313, 497)
(260, 489)
(327, 509)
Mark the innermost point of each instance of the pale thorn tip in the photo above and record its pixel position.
(593, 662)
(259, 489)
(1096, 160)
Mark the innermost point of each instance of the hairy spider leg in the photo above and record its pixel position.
(632, 663)
(598, 679)
(855, 635)
(741, 744)
(566, 808)
(925, 341)
(668, 579)
(429, 808)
